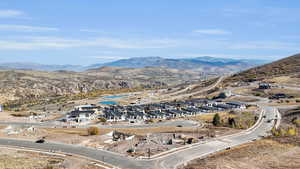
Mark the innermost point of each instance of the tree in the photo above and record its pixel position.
(231, 122)
(216, 120)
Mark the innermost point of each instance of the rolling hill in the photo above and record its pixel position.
(30, 84)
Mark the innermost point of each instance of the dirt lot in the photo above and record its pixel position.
(18, 159)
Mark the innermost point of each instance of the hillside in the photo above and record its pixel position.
(29, 84)
(289, 66)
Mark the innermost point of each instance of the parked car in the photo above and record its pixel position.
(40, 141)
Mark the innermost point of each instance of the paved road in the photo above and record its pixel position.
(177, 95)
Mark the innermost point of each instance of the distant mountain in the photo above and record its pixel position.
(283, 67)
(205, 63)
(42, 67)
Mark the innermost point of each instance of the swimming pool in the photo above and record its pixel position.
(108, 102)
(112, 97)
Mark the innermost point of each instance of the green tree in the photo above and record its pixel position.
(216, 120)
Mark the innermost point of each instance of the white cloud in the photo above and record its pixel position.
(212, 31)
(11, 13)
(265, 45)
(34, 43)
(109, 44)
(26, 28)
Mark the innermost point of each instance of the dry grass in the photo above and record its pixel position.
(284, 80)
(208, 117)
(267, 154)
(17, 159)
(135, 131)
(241, 99)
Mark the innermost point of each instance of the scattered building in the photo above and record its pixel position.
(83, 113)
(264, 86)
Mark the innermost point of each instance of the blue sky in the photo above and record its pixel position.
(95, 31)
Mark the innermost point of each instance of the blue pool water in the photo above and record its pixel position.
(112, 97)
(108, 102)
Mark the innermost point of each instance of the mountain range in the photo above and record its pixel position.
(205, 63)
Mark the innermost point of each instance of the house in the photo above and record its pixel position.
(86, 107)
(81, 116)
(82, 113)
(224, 106)
(264, 86)
(237, 105)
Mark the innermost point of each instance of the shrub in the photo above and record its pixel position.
(48, 167)
(291, 131)
(93, 131)
(278, 132)
(216, 120)
(103, 120)
(296, 122)
(131, 150)
(257, 94)
(231, 122)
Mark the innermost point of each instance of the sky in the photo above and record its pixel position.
(96, 31)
